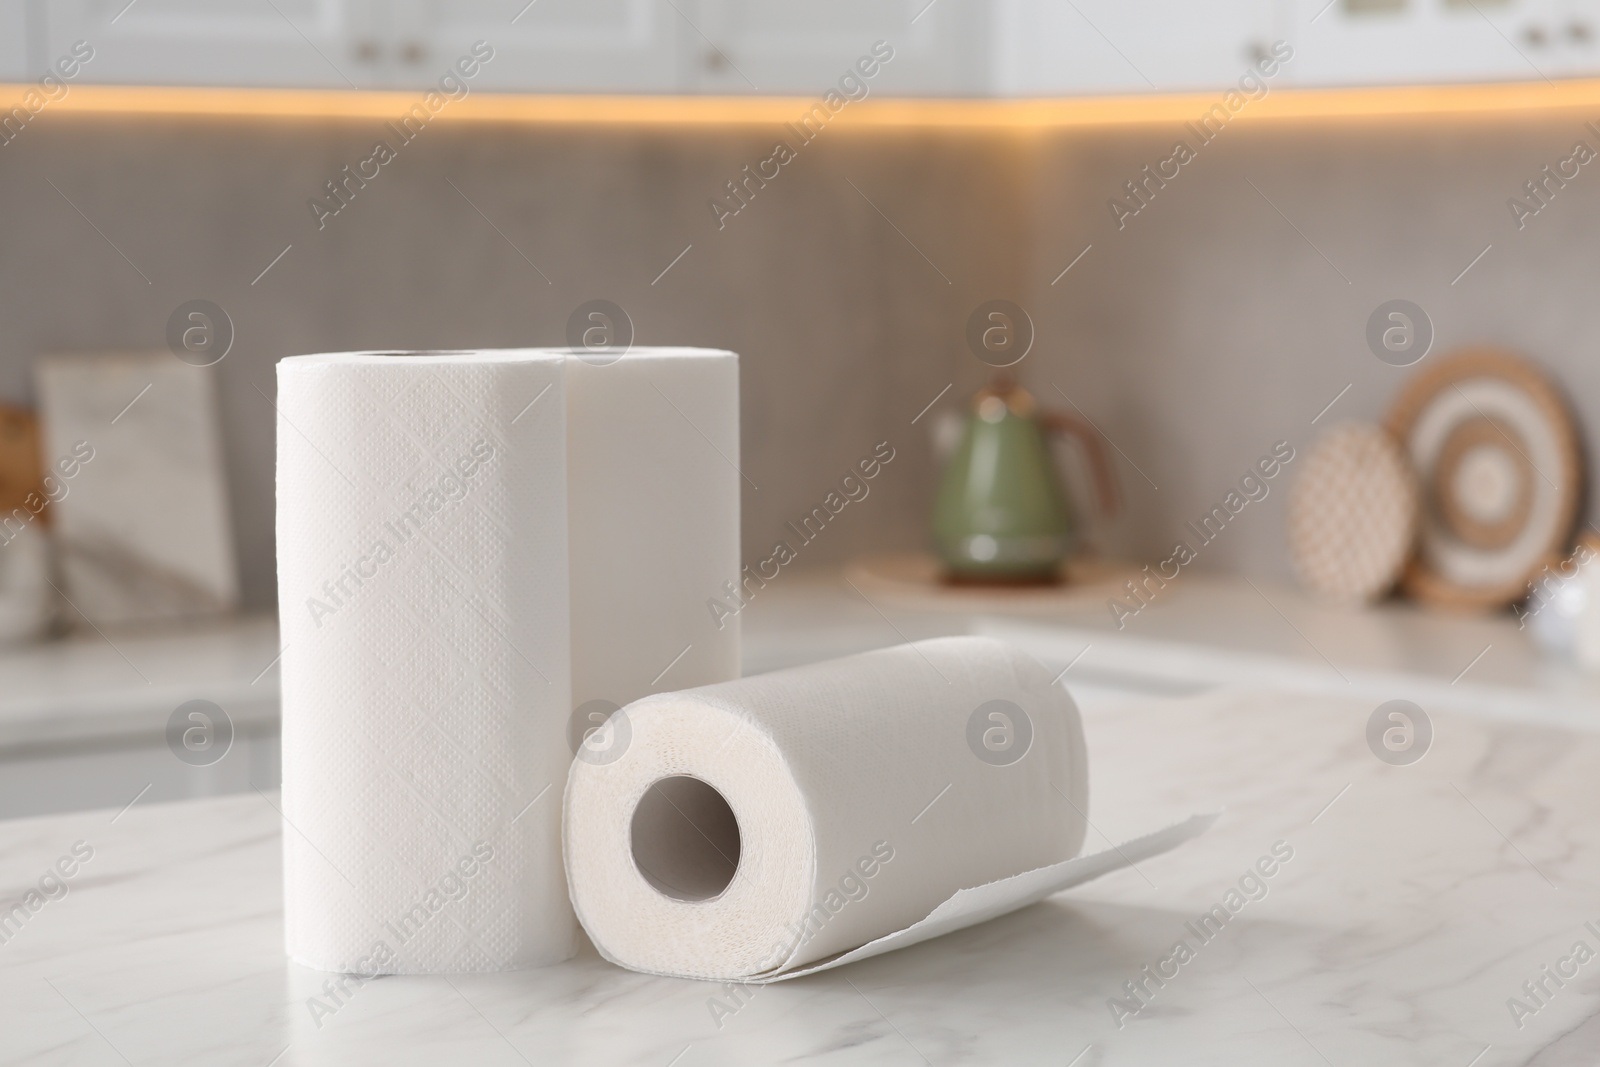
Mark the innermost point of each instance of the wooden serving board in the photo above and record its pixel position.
(20, 471)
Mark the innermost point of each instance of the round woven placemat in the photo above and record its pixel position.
(1353, 514)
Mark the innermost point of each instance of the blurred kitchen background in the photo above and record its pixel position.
(1378, 161)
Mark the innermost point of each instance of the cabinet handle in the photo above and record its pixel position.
(413, 52)
(715, 61)
(366, 51)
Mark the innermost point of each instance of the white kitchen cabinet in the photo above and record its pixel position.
(336, 43)
(1562, 38)
(804, 47)
(1052, 48)
(1387, 42)
(583, 46)
(85, 723)
(1090, 47)
(1008, 48)
(14, 65)
(110, 773)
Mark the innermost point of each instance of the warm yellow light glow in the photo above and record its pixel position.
(1076, 112)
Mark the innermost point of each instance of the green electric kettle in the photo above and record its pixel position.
(1001, 515)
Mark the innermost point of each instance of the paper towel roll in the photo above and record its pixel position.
(423, 599)
(755, 827)
(653, 488)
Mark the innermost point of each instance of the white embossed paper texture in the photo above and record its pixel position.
(423, 597)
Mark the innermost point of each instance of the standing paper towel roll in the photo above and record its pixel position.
(423, 599)
(755, 827)
(653, 488)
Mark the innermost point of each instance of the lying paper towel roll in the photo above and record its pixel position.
(755, 827)
(423, 599)
(653, 491)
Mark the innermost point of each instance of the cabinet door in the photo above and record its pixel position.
(14, 58)
(221, 42)
(599, 46)
(1047, 47)
(803, 47)
(1560, 37)
(1384, 42)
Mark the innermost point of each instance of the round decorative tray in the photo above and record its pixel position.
(1496, 453)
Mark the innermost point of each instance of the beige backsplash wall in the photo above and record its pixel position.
(847, 327)
(1208, 327)
(1196, 337)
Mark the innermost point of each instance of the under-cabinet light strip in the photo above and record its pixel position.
(1481, 101)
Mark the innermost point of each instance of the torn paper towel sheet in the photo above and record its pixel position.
(972, 906)
(755, 829)
(422, 582)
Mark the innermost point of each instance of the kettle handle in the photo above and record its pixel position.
(1069, 425)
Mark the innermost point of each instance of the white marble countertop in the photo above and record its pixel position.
(1208, 631)
(1212, 631)
(1417, 901)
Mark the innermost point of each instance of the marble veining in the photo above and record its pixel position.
(1418, 900)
